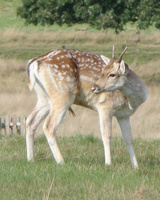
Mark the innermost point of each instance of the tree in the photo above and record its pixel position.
(144, 12)
(98, 13)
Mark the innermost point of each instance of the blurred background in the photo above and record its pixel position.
(31, 28)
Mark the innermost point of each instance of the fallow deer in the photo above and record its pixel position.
(65, 77)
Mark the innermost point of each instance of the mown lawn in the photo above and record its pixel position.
(84, 175)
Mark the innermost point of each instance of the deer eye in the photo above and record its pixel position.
(112, 75)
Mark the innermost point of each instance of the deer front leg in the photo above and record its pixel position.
(125, 126)
(105, 120)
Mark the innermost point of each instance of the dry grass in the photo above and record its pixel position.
(11, 65)
(89, 36)
(145, 122)
(148, 69)
(11, 71)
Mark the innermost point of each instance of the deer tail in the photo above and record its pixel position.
(32, 68)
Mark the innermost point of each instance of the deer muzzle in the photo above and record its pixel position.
(95, 89)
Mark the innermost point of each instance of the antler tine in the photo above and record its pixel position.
(113, 53)
(120, 58)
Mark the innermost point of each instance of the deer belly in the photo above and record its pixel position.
(86, 99)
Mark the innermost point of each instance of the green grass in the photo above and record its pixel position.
(84, 175)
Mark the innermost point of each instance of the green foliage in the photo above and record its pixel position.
(100, 14)
(144, 12)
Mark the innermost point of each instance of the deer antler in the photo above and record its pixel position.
(113, 53)
(120, 58)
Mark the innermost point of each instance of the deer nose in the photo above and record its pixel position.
(95, 89)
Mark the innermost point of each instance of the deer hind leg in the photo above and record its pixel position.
(105, 120)
(51, 124)
(34, 119)
(125, 126)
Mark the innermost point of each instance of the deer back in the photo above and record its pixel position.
(66, 68)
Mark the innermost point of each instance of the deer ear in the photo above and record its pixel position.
(124, 67)
(105, 59)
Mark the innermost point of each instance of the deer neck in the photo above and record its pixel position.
(135, 90)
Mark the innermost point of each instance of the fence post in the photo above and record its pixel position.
(1, 128)
(6, 125)
(14, 127)
(22, 121)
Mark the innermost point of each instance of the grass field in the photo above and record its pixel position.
(84, 175)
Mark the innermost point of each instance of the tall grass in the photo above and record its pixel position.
(84, 175)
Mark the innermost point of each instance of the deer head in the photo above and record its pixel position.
(113, 75)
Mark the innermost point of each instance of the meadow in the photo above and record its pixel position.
(84, 175)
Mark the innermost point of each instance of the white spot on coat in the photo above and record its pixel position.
(56, 66)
